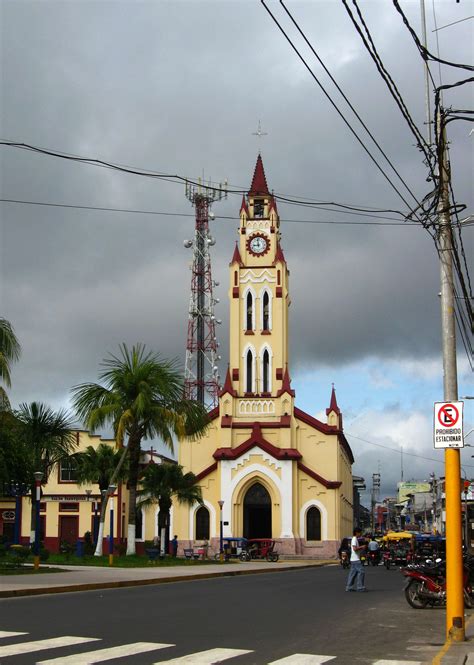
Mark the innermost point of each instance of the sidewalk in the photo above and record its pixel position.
(459, 653)
(86, 578)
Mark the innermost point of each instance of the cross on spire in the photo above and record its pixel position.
(259, 132)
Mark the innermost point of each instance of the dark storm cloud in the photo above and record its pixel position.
(179, 87)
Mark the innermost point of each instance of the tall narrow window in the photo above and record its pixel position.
(249, 312)
(266, 371)
(258, 208)
(266, 311)
(313, 524)
(202, 523)
(249, 377)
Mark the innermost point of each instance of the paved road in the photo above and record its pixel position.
(258, 620)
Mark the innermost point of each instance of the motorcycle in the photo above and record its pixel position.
(344, 559)
(426, 584)
(373, 557)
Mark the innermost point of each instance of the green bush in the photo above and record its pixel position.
(17, 555)
(44, 553)
(66, 548)
(89, 548)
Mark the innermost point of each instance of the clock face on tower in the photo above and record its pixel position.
(258, 244)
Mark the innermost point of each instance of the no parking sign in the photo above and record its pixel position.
(448, 425)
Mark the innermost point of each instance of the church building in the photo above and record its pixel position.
(272, 469)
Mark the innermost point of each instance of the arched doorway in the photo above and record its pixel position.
(257, 512)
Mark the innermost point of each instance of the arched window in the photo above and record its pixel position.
(249, 312)
(266, 312)
(313, 524)
(249, 373)
(266, 371)
(202, 523)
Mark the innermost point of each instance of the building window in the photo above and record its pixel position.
(249, 312)
(249, 373)
(202, 523)
(266, 311)
(258, 208)
(68, 470)
(266, 371)
(68, 507)
(313, 524)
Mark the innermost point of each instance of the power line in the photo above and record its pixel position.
(398, 452)
(334, 105)
(176, 178)
(177, 214)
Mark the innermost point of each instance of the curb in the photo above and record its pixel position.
(94, 586)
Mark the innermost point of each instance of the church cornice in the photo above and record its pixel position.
(325, 429)
(328, 484)
(256, 440)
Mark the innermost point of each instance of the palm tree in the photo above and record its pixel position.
(99, 465)
(9, 352)
(48, 439)
(142, 397)
(161, 483)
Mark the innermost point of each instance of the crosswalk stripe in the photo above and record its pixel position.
(302, 659)
(106, 654)
(8, 633)
(397, 662)
(208, 657)
(40, 645)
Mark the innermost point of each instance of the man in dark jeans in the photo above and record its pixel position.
(356, 573)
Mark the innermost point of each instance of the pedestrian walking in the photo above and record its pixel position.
(356, 573)
(174, 546)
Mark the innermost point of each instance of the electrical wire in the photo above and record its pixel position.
(346, 99)
(177, 214)
(306, 202)
(425, 54)
(334, 105)
(398, 452)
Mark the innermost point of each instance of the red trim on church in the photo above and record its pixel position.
(256, 439)
(227, 388)
(236, 258)
(325, 429)
(328, 484)
(243, 207)
(205, 472)
(286, 385)
(279, 256)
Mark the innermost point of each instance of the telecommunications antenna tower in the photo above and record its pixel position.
(201, 378)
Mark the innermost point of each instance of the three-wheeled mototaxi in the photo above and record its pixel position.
(234, 548)
(262, 548)
(397, 548)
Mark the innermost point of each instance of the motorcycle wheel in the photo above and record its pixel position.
(244, 556)
(412, 594)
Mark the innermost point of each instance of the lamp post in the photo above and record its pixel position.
(221, 533)
(38, 478)
(111, 492)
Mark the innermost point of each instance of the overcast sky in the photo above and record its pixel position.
(179, 87)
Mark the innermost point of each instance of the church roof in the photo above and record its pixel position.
(227, 388)
(244, 206)
(279, 256)
(236, 258)
(333, 405)
(259, 182)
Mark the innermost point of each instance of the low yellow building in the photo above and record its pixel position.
(274, 470)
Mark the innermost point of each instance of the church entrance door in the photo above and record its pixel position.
(257, 513)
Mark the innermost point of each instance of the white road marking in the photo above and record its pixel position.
(209, 657)
(100, 655)
(8, 633)
(397, 662)
(40, 645)
(302, 659)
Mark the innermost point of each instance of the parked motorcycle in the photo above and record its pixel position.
(344, 559)
(426, 584)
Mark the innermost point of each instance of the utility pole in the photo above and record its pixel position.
(375, 497)
(455, 626)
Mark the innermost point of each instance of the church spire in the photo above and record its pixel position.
(259, 185)
(333, 404)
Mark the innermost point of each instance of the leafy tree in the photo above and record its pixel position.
(161, 483)
(13, 470)
(142, 397)
(9, 352)
(48, 439)
(98, 465)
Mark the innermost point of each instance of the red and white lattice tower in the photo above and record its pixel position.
(201, 379)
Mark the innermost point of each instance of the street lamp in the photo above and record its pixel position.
(111, 491)
(38, 478)
(221, 533)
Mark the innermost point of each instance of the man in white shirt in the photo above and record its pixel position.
(356, 573)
